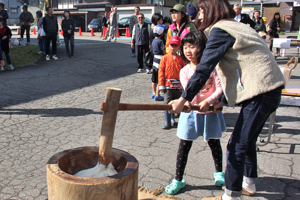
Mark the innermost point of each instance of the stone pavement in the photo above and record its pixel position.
(55, 105)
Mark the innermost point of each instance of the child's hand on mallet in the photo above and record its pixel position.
(204, 106)
(188, 105)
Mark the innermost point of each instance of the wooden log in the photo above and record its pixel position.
(112, 99)
(62, 185)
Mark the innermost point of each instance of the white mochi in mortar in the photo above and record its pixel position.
(98, 171)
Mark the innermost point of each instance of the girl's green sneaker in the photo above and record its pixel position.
(219, 178)
(175, 186)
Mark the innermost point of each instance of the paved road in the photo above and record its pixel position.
(55, 105)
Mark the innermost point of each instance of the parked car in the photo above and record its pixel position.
(96, 24)
(125, 21)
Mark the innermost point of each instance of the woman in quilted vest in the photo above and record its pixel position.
(181, 25)
(250, 77)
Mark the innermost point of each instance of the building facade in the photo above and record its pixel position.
(14, 9)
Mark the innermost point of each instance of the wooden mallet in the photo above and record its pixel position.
(110, 108)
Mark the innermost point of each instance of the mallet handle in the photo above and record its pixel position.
(129, 107)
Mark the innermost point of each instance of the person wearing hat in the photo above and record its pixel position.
(158, 50)
(181, 25)
(26, 19)
(191, 11)
(168, 78)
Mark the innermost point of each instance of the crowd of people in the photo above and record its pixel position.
(210, 55)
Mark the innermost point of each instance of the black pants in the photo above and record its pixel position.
(141, 51)
(271, 46)
(69, 40)
(183, 152)
(51, 36)
(27, 28)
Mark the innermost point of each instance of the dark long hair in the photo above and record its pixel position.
(156, 17)
(67, 12)
(275, 18)
(214, 11)
(196, 38)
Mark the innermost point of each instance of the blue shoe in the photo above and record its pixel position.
(158, 98)
(167, 125)
(152, 96)
(133, 55)
(219, 178)
(175, 186)
(173, 122)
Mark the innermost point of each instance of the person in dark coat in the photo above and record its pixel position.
(244, 18)
(5, 35)
(259, 23)
(51, 29)
(3, 13)
(68, 27)
(26, 19)
(275, 28)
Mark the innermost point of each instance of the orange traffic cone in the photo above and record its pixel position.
(61, 32)
(92, 32)
(34, 31)
(104, 31)
(118, 35)
(19, 31)
(80, 34)
(127, 34)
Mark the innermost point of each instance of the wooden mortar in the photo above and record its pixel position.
(62, 185)
(61, 167)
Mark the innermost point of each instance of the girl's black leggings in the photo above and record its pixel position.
(183, 152)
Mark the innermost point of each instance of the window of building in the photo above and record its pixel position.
(13, 10)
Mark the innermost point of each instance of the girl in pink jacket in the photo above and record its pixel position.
(194, 124)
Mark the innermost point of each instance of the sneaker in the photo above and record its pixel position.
(152, 96)
(158, 98)
(104, 38)
(10, 67)
(219, 178)
(175, 186)
(54, 57)
(140, 71)
(40, 52)
(174, 123)
(2, 69)
(148, 71)
(115, 39)
(133, 55)
(108, 40)
(47, 57)
(244, 192)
